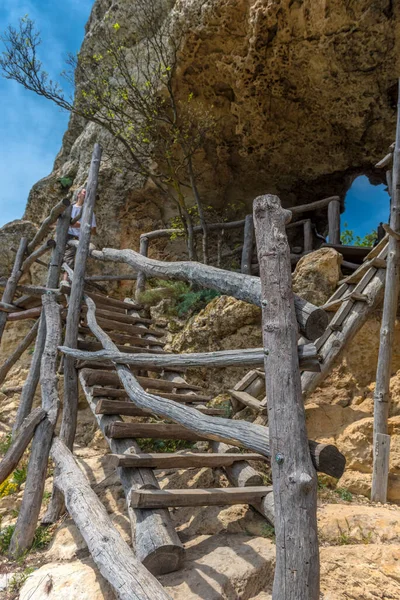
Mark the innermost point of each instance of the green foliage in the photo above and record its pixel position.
(5, 443)
(151, 445)
(65, 182)
(5, 538)
(344, 494)
(13, 483)
(19, 475)
(193, 302)
(348, 238)
(41, 540)
(268, 531)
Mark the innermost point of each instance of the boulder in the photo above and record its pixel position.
(317, 274)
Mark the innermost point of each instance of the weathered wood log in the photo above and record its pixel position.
(312, 320)
(10, 286)
(390, 305)
(334, 222)
(45, 227)
(122, 317)
(197, 497)
(128, 328)
(155, 431)
(30, 385)
(248, 400)
(96, 377)
(115, 407)
(141, 278)
(122, 277)
(13, 455)
(253, 437)
(8, 308)
(179, 460)
(298, 210)
(27, 301)
(28, 262)
(248, 243)
(308, 237)
(154, 538)
(95, 347)
(18, 352)
(101, 392)
(117, 563)
(132, 340)
(28, 515)
(308, 357)
(23, 315)
(293, 474)
(385, 162)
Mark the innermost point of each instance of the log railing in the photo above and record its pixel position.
(332, 204)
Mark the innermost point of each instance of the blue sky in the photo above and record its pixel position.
(365, 207)
(31, 128)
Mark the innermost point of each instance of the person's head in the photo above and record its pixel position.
(80, 195)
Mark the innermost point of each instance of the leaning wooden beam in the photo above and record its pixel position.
(28, 262)
(293, 474)
(12, 282)
(71, 388)
(53, 275)
(308, 358)
(45, 227)
(248, 243)
(155, 540)
(111, 277)
(117, 563)
(28, 515)
(8, 308)
(312, 320)
(18, 352)
(237, 433)
(380, 471)
(20, 443)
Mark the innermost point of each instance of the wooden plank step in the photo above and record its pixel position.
(156, 431)
(97, 377)
(182, 398)
(180, 460)
(333, 306)
(248, 400)
(197, 497)
(106, 300)
(378, 263)
(378, 248)
(127, 408)
(108, 324)
(123, 339)
(121, 317)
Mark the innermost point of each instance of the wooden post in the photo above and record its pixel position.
(294, 477)
(334, 221)
(30, 385)
(390, 303)
(112, 555)
(71, 388)
(308, 238)
(141, 276)
(12, 282)
(248, 242)
(28, 515)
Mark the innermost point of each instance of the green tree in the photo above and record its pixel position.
(126, 86)
(348, 238)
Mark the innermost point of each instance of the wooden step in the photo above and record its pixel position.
(107, 301)
(97, 377)
(108, 324)
(182, 398)
(248, 401)
(96, 346)
(180, 460)
(121, 317)
(123, 339)
(116, 407)
(198, 497)
(156, 431)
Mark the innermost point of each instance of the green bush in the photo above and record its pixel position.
(150, 445)
(5, 538)
(185, 300)
(43, 536)
(193, 302)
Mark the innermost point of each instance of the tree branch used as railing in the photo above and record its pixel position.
(45, 227)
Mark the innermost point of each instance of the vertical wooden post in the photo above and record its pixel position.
(71, 391)
(33, 493)
(308, 239)
(248, 242)
(30, 385)
(334, 221)
(390, 302)
(141, 276)
(11, 286)
(294, 477)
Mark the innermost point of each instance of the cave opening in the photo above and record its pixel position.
(367, 204)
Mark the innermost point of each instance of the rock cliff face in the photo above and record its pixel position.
(304, 92)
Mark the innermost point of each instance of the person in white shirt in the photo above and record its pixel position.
(74, 230)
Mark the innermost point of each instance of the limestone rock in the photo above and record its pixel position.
(364, 572)
(77, 579)
(317, 274)
(10, 237)
(67, 543)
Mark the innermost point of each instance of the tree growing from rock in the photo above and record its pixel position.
(126, 86)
